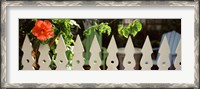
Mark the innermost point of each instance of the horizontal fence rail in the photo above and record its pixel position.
(129, 62)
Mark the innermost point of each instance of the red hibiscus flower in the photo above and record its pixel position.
(42, 30)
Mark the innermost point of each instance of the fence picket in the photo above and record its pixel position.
(78, 60)
(129, 60)
(61, 59)
(177, 62)
(27, 59)
(112, 60)
(95, 60)
(163, 61)
(44, 59)
(146, 62)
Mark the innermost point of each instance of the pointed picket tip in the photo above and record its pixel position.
(27, 44)
(95, 60)
(147, 46)
(44, 48)
(78, 47)
(163, 61)
(177, 61)
(164, 46)
(27, 59)
(112, 47)
(95, 45)
(129, 46)
(44, 59)
(61, 44)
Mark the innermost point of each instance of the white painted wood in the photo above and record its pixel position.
(129, 60)
(95, 60)
(61, 59)
(146, 62)
(177, 62)
(112, 60)
(78, 60)
(44, 59)
(27, 59)
(163, 61)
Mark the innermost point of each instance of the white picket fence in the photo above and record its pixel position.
(112, 61)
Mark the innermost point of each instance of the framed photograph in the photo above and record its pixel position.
(100, 44)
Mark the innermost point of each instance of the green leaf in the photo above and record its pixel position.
(135, 28)
(104, 28)
(101, 31)
(109, 31)
(67, 24)
(43, 43)
(132, 29)
(138, 25)
(72, 41)
(87, 32)
(120, 28)
(69, 54)
(134, 33)
(54, 28)
(34, 20)
(54, 21)
(100, 28)
(125, 32)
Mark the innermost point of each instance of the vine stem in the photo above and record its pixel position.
(53, 40)
(35, 55)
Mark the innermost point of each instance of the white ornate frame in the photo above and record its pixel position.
(6, 4)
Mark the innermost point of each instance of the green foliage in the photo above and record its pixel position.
(60, 27)
(34, 20)
(53, 65)
(65, 26)
(101, 28)
(45, 42)
(69, 54)
(132, 29)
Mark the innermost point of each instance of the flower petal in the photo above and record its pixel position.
(36, 30)
(39, 23)
(43, 30)
(47, 24)
(42, 38)
(49, 34)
